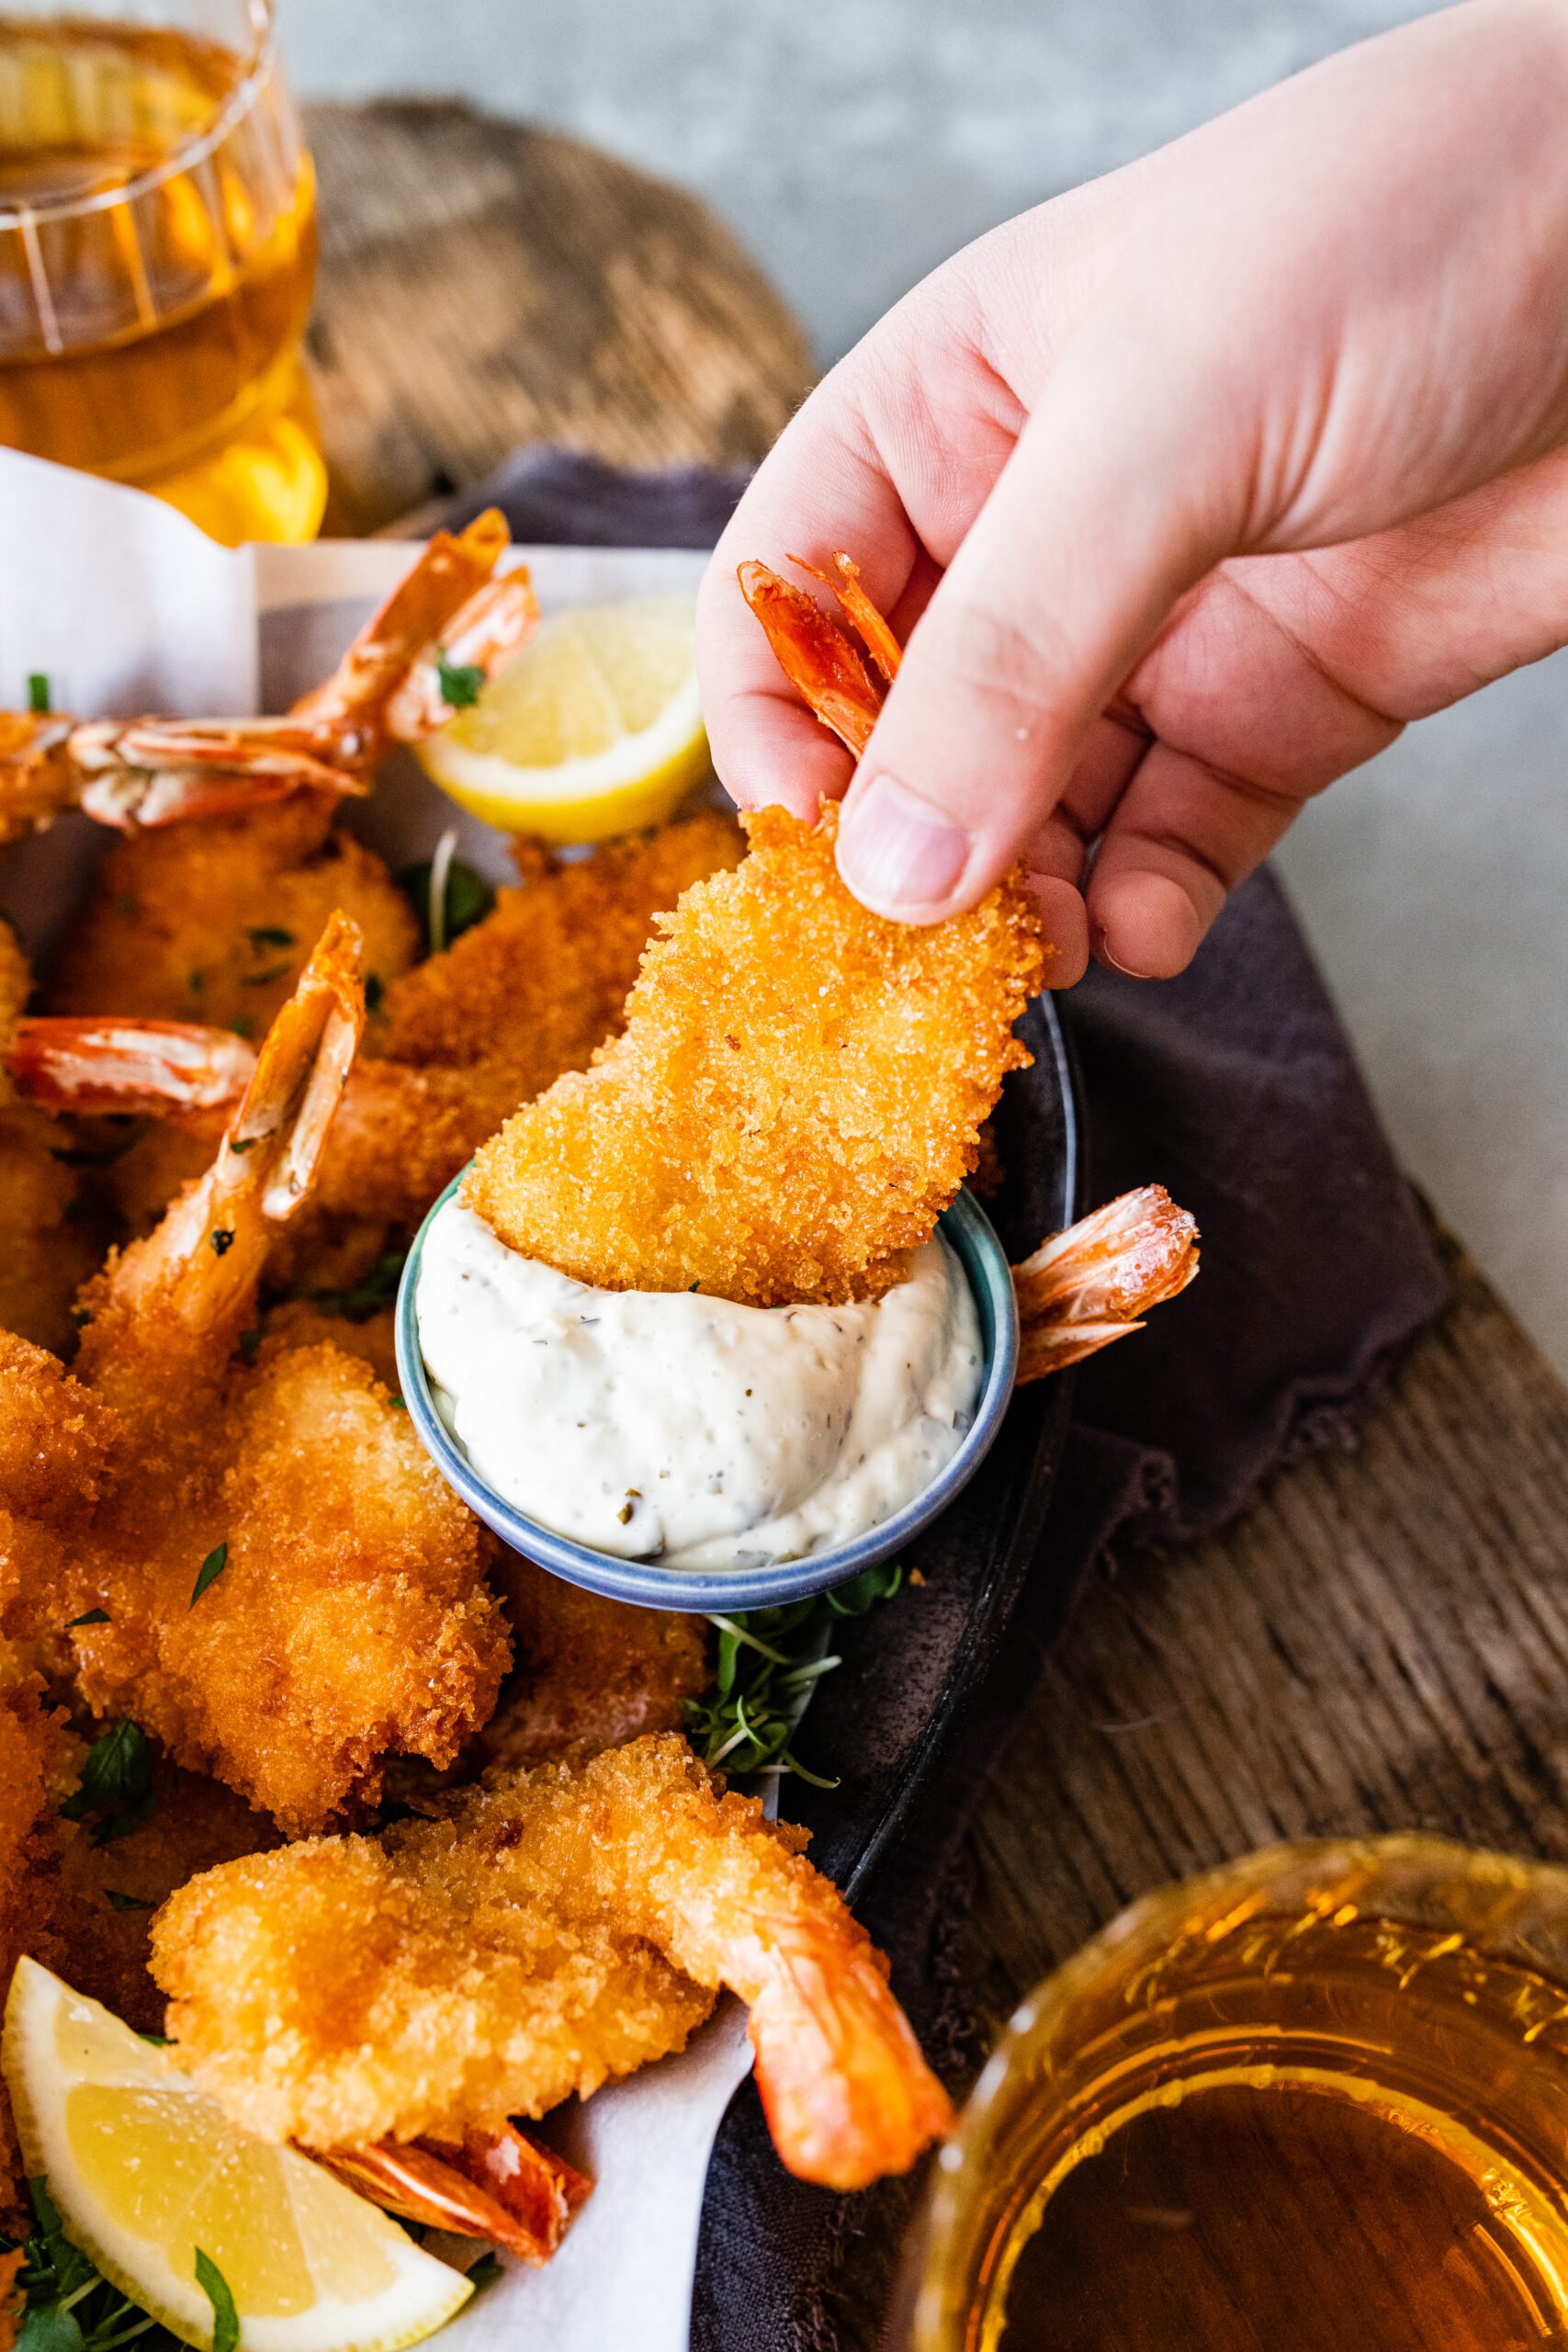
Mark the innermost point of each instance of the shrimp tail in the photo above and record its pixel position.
(815, 655)
(503, 2186)
(846, 2092)
(197, 1271)
(300, 1074)
(1094, 1283)
(150, 1067)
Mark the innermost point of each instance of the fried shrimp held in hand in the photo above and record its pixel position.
(528, 993)
(798, 1091)
(553, 1931)
(341, 1612)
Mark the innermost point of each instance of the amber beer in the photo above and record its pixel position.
(1316, 2101)
(157, 248)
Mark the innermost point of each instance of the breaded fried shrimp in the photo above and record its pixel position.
(798, 1091)
(342, 1612)
(591, 1673)
(214, 920)
(557, 1928)
(528, 993)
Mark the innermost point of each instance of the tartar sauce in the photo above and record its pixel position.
(670, 1425)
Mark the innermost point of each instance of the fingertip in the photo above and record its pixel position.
(1145, 925)
(1064, 924)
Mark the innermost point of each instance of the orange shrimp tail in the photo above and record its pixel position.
(815, 655)
(874, 634)
(500, 2186)
(146, 1066)
(1092, 1283)
(351, 704)
(301, 1071)
(846, 2092)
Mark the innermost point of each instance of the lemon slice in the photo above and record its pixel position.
(593, 730)
(145, 2169)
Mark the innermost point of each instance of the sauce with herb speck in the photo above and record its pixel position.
(667, 1425)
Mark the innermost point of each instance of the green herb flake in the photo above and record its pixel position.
(67, 2307)
(124, 904)
(215, 2287)
(81, 1317)
(378, 1289)
(38, 692)
(375, 991)
(118, 1767)
(466, 900)
(250, 1344)
(485, 2271)
(195, 983)
(265, 980)
(765, 1662)
(119, 1902)
(462, 683)
(242, 1026)
(267, 935)
(209, 1571)
(222, 1239)
(89, 1617)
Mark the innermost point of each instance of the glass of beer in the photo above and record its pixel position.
(157, 248)
(1317, 2100)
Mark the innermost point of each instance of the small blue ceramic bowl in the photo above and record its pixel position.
(968, 1233)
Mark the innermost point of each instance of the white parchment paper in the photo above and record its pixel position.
(127, 607)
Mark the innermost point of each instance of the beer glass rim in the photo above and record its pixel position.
(194, 151)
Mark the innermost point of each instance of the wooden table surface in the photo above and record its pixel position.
(1382, 1641)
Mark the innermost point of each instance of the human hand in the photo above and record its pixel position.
(1187, 492)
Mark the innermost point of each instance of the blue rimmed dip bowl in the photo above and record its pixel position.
(967, 1231)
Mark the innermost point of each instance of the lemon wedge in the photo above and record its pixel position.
(595, 728)
(145, 2170)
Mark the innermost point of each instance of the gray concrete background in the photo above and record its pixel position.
(855, 144)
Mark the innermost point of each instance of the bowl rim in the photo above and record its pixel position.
(645, 1583)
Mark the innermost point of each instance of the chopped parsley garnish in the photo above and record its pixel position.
(67, 2306)
(209, 1571)
(461, 682)
(38, 694)
(466, 901)
(222, 1239)
(242, 1026)
(215, 2287)
(116, 1783)
(375, 991)
(767, 1661)
(264, 979)
(119, 1902)
(378, 1289)
(250, 1344)
(81, 1317)
(267, 935)
(89, 1617)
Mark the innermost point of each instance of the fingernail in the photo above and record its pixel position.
(1103, 955)
(894, 849)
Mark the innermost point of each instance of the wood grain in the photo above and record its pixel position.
(484, 284)
(1380, 1643)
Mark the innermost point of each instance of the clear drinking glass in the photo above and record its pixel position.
(157, 250)
(1318, 2099)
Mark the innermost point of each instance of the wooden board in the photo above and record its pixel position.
(483, 285)
(1382, 1642)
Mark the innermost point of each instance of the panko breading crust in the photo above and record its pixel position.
(799, 1090)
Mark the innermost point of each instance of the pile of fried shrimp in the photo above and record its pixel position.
(395, 1837)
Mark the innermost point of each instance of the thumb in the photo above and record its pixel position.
(1092, 532)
